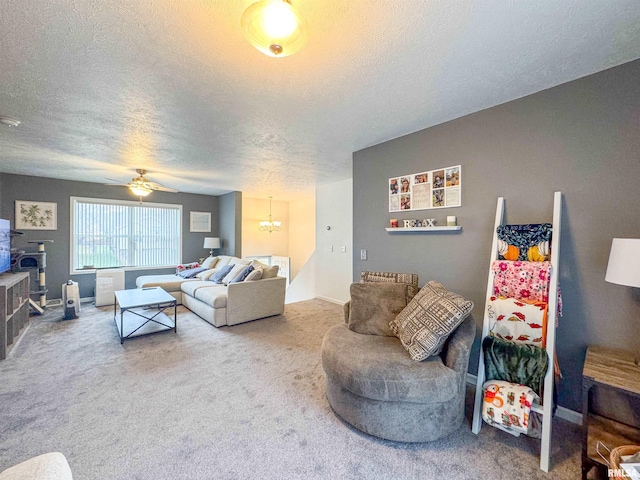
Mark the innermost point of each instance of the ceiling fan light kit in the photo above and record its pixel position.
(141, 187)
(140, 190)
(275, 27)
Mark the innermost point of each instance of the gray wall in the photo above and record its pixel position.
(231, 223)
(20, 187)
(582, 138)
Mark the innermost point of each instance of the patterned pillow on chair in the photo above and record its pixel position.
(428, 320)
(409, 279)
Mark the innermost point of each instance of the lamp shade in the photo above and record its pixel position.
(211, 242)
(624, 262)
(275, 27)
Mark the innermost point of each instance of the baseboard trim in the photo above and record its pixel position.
(332, 300)
(561, 412)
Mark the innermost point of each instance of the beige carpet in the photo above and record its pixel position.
(230, 403)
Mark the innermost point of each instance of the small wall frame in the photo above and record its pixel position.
(200, 221)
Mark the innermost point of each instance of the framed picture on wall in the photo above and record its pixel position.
(200, 221)
(34, 215)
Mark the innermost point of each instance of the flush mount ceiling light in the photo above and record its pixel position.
(270, 226)
(275, 27)
(9, 122)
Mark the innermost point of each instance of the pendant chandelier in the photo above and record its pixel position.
(270, 226)
(275, 27)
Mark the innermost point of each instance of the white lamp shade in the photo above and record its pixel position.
(211, 242)
(624, 262)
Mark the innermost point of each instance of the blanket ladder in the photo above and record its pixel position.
(546, 409)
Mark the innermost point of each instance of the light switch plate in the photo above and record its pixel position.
(363, 254)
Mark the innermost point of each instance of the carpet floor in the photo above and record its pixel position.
(238, 402)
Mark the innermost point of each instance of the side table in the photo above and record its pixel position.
(613, 370)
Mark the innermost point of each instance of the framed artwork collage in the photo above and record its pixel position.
(439, 188)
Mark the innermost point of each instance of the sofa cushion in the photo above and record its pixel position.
(213, 295)
(268, 271)
(410, 279)
(244, 273)
(256, 274)
(428, 320)
(236, 268)
(238, 261)
(192, 287)
(374, 305)
(209, 262)
(223, 260)
(191, 273)
(206, 275)
(186, 266)
(170, 283)
(220, 274)
(378, 368)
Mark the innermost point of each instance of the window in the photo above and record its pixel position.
(115, 233)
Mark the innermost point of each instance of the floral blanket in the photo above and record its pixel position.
(522, 321)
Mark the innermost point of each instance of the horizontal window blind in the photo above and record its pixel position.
(112, 233)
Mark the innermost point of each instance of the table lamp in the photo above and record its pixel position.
(624, 262)
(211, 243)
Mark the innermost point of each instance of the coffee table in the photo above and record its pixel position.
(142, 312)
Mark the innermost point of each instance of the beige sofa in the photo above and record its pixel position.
(226, 303)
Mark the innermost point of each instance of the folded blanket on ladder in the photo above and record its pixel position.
(521, 321)
(523, 281)
(516, 363)
(507, 406)
(519, 365)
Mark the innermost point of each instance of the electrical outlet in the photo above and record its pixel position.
(343, 249)
(363, 254)
(331, 248)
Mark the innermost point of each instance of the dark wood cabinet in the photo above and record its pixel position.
(613, 371)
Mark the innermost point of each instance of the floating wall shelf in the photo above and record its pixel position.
(423, 229)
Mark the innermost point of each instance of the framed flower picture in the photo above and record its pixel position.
(34, 215)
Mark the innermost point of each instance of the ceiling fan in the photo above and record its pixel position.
(142, 187)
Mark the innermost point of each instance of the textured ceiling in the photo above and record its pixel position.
(103, 86)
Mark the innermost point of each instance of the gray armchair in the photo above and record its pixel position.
(374, 385)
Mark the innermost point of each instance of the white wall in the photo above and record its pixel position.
(334, 269)
(302, 232)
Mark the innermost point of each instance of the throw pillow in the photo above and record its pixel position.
(410, 279)
(220, 274)
(233, 273)
(374, 305)
(186, 266)
(256, 274)
(223, 260)
(236, 261)
(191, 273)
(428, 320)
(207, 273)
(243, 274)
(268, 271)
(210, 262)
